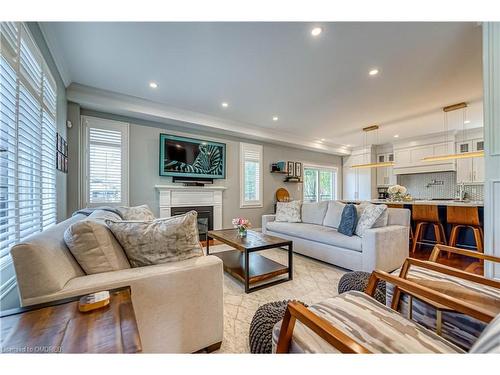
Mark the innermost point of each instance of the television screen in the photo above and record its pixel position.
(188, 157)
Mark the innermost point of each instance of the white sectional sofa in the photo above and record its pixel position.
(384, 248)
(178, 305)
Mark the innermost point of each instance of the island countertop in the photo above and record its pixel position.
(436, 202)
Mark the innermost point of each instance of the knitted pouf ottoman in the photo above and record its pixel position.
(358, 280)
(261, 327)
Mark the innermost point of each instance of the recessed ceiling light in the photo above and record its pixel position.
(224, 104)
(323, 139)
(467, 122)
(396, 135)
(153, 85)
(373, 72)
(275, 118)
(316, 31)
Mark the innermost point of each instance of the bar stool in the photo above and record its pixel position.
(465, 217)
(397, 205)
(424, 215)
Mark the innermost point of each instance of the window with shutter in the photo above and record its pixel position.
(28, 108)
(107, 162)
(250, 175)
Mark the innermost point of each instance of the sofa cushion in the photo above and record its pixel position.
(317, 233)
(142, 213)
(158, 241)
(368, 218)
(348, 221)
(333, 214)
(94, 246)
(288, 211)
(314, 213)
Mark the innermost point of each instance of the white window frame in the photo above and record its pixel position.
(260, 150)
(95, 122)
(332, 169)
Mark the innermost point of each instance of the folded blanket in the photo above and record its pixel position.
(87, 211)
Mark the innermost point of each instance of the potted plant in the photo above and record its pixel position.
(242, 225)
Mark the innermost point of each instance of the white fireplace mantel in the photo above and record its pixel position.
(186, 196)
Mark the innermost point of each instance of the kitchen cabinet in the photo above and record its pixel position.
(358, 183)
(410, 159)
(385, 175)
(470, 170)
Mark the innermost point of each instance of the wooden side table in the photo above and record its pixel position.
(59, 327)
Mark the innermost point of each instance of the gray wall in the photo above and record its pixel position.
(143, 167)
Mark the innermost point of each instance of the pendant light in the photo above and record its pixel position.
(456, 155)
(372, 165)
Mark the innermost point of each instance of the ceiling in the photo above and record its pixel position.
(319, 87)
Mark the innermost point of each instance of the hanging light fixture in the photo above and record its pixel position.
(456, 155)
(372, 165)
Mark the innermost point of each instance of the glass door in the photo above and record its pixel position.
(319, 184)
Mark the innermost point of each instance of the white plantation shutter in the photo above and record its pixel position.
(107, 162)
(251, 175)
(27, 138)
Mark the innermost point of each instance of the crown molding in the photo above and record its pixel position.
(130, 106)
(57, 54)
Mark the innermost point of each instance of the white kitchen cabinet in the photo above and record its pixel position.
(409, 157)
(357, 182)
(385, 175)
(470, 170)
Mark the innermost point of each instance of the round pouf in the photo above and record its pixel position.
(358, 280)
(261, 327)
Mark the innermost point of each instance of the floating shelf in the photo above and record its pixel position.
(279, 172)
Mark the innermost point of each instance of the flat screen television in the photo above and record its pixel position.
(189, 157)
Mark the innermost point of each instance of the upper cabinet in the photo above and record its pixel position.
(409, 157)
(385, 175)
(470, 170)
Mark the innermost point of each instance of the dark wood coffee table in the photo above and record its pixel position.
(244, 264)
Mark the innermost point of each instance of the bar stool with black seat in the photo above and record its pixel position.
(461, 218)
(423, 215)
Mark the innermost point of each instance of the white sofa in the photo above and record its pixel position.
(384, 248)
(178, 306)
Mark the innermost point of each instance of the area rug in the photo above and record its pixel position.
(313, 281)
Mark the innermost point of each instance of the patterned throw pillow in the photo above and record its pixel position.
(348, 220)
(142, 213)
(369, 217)
(159, 241)
(288, 211)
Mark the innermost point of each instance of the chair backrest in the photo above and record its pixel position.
(489, 341)
(43, 262)
(462, 215)
(428, 213)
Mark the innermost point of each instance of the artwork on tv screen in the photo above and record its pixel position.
(188, 157)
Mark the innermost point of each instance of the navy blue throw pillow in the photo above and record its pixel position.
(348, 220)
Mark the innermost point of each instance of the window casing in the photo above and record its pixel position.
(28, 112)
(105, 179)
(251, 181)
(320, 183)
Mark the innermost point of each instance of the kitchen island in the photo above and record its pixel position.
(433, 202)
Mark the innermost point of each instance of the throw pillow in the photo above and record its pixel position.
(158, 241)
(314, 213)
(288, 211)
(333, 214)
(370, 215)
(93, 245)
(142, 213)
(348, 220)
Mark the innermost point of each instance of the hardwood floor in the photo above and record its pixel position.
(456, 261)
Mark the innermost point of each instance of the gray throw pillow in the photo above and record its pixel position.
(142, 213)
(314, 213)
(158, 241)
(333, 214)
(288, 211)
(93, 245)
(348, 221)
(369, 217)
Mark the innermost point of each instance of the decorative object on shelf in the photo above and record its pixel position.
(282, 195)
(242, 225)
(278, 167)
(290, 168)
(463, 121)
(298, 169)
(61, 154)
(292, 179)
(397, 193)
(368, 164)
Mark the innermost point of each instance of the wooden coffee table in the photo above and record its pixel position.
(245, 264)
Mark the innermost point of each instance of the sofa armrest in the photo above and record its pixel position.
(385, 248)
(178, 306)
(267, 219)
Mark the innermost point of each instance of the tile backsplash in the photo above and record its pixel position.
(439, 185)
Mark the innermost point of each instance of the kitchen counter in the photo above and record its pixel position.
(427, 202)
